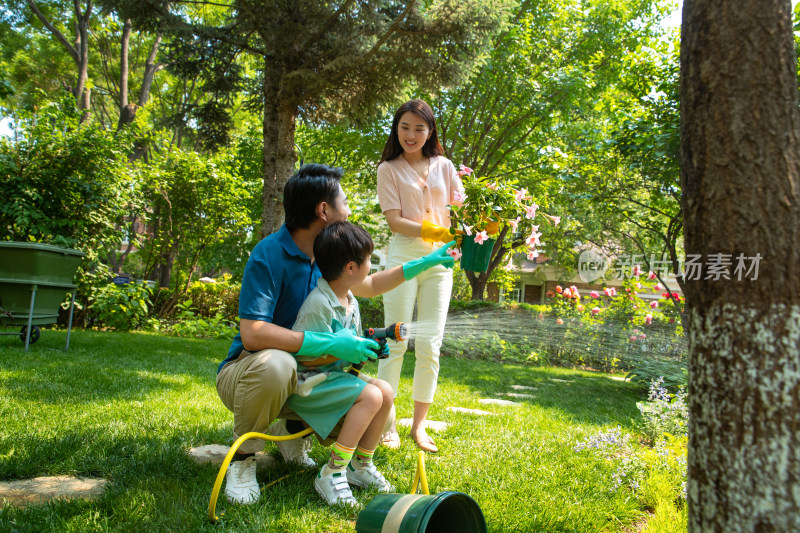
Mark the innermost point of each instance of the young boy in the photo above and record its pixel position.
(325, 392)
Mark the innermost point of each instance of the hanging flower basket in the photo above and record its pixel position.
(475, 257)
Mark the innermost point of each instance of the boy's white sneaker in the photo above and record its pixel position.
(334, 489)
(293, 451)
(241, 485)
(368, 477)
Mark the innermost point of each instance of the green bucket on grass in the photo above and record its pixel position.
(446, 512)
(475, 257)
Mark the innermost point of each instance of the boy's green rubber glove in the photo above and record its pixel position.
(343, 344)
(436, 257)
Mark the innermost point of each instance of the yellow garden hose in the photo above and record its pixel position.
(212, 504)
(420, 479)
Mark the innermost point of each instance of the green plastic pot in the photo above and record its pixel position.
(446, 512)
(475, 257)
(25, 267)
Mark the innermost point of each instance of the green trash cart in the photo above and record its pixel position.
(34, 278)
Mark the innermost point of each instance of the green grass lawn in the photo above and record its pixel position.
(127, 407)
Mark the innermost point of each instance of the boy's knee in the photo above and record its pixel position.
(372, 395)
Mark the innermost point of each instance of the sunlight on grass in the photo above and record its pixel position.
(127, 407)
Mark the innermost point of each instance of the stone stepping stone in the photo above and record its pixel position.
(522, 387)
(617, 378)
(215, 454)
(22, 492)
(518, 395)
(429, 424)
(470, 411)
(559, 380)
(497, 401)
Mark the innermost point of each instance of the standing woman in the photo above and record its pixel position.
(415, 186)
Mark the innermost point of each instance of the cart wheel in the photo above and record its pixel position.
(35, 332)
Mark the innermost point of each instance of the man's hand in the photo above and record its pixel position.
(344, 344)
(436, 257)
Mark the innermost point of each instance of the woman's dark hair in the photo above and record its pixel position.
(310, 185)
(338, 244)
(420, 108)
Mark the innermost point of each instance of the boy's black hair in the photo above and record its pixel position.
(310, 185)
(338, 244)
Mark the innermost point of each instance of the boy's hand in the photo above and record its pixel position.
(343, 344)
(436, 257)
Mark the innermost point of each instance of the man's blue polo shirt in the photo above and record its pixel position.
(276, 281)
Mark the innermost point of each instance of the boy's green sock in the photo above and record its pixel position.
(362, 458)
(340, 456)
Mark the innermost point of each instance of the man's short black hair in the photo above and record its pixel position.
(338, 244)
(310, 185)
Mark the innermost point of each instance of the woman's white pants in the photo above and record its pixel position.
(431, 292)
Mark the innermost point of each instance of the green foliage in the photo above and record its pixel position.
(120, 307)
(195, 203)
(211, 299)
(63, 182)
(371, 310)
(186, 323)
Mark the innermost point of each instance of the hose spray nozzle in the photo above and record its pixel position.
(397, 332)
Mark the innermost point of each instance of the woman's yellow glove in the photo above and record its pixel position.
(434, 233)
(492, 228)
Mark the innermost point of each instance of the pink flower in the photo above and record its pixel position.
(455, 253)
(553, 219)
(633, 338)
(520, 194)
(638, 285)
(595, 311)
(514, 223)
(533, 254)
(468, 230)
(653, 305)
(458, 198)
(580, 307)
(651, 275)
(610, 291)
(551, 294)
(648, 319)
(657, 287)
(559, 289)
(559, 321)
(464, 171)
(567, 293)
(481, 237)
(635, 331)
(510, 263)
(637, 270)
(594, 294)
(492, 186)
(642, 336)
(533, 240)
(530, 211)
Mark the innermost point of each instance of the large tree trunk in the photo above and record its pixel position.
(740, 169)
(279, 154)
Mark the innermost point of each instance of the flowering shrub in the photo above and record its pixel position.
(655, 474)
(488, 208)
(664, 412)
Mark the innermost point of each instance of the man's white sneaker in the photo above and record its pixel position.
(368, 477)
(334, 489)
(241, 485)
(293, 451)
